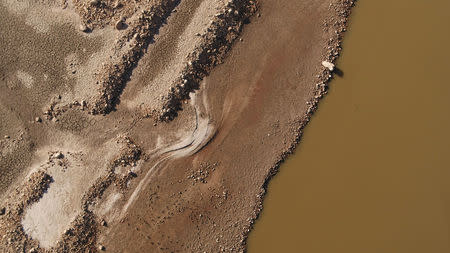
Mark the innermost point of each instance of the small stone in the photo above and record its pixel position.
(94, 2)
(38, 119)
(120, 25)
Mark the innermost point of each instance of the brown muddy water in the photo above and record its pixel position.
(372, 173)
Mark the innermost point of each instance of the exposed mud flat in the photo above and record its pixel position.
(152, 125)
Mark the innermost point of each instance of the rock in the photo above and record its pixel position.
(2, 211)
(94, 2)
(328, 65)
(104, 223)
(58, 155)
(7, 137)
(120, 25)
(83, 28)
(101, 247)
(38, 119)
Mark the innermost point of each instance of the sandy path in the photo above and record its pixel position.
(158, 75)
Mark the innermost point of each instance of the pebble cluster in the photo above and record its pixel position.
(100, 13)
(201, 174)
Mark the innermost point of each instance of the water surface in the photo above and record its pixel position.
(372, 171)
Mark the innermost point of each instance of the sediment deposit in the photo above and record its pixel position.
(153, 125)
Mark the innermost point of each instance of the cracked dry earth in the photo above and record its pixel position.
(152, 125)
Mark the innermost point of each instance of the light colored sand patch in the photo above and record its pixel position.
(47, 219)
(187, 42)
(37, 15)
(26, 79)
(109, 203)
(38, 22)
(86, 87)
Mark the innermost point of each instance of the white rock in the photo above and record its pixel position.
(58, 155)
(328, 65)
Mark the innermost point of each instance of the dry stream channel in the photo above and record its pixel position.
(371, 173)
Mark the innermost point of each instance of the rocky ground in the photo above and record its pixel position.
(152, 125)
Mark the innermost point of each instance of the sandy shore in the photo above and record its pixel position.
(152, 125)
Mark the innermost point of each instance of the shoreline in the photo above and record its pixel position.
(322, 84)
(200, 185)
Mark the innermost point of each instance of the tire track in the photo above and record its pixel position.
(201, 135)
